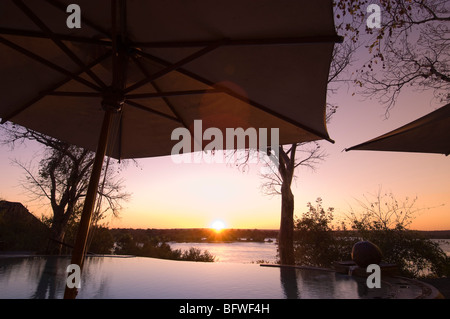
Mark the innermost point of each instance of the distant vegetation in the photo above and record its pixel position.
(210, 235)
(155, 242)
(143, 243)
(317, 241)
(22, 231)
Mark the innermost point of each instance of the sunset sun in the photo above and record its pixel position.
(218, 225)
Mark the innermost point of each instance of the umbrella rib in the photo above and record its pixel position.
(170, 106)
(74, 94)
(173, 93)
(238, 96)
(54, 87)
(143, 108)
(157, 88)
(36, 20)
(47, 63)
(63, 37)
(242, 42)
(172, 67)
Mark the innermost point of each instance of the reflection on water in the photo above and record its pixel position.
(444, 244)
(318, 284)
(240, 252)
(288, 277)
(138, 277)
(248, 252)
(46, 287)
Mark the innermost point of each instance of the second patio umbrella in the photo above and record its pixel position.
(428, 134)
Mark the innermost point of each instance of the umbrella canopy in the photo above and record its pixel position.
(240, 63)
(428, 134)
(147, 67)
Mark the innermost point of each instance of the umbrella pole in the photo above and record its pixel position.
(86, 216)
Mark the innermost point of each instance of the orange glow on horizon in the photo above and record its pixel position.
(167, 195)
(218, 225)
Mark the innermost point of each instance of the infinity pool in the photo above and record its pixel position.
(149, 278)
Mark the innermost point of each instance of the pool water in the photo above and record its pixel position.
(149, 278)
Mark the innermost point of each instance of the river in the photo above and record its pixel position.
(252, 252)
(235, 252)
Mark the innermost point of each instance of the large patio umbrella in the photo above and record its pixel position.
(148, 67)
(428, 134)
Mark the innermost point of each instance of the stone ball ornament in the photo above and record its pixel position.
(365, 253)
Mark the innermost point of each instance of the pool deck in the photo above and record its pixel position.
(398, 287)
(403, 285)
(441, 284)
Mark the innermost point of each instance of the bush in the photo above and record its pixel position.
(316, 242)
(384, 221)
(102, 241)
(155, 247)
(195, 254)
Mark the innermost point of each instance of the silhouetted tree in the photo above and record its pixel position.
(385, 221)
(410, 49)
(316, 242)
(309, 155)
(102, 240)
(279, 182)
(62, 178)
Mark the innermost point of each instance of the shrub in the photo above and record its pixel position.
(195, 254)
(385, 221)
(316, 242)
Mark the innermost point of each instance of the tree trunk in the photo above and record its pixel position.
(286, 235)
(57, 231)
(57, 234)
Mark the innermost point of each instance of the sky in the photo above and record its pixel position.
(165, 194)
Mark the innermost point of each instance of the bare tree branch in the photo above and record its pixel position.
(411, 49)
(63, 176)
